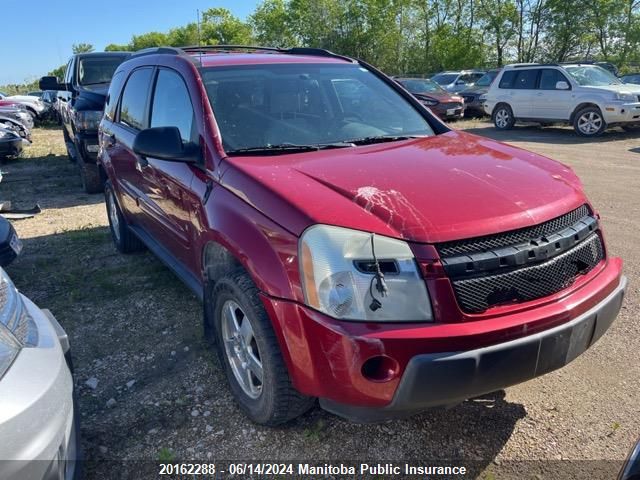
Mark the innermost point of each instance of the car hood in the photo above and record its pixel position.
(92, 97)
(623, 88)
(446, 187)
(441, 96)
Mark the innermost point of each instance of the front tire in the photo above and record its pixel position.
(503, 118)
(90, 175)
(249, 351)
(123, 238)
(589, 122)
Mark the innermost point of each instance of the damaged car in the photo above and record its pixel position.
(353, 251)
(10, 143)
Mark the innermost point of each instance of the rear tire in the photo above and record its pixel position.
(268, 397)
(589, 122)
(123, 238)
(503, 118)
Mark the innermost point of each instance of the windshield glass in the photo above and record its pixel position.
(421, 85)
(94, 70)
(305, 104)
(444, 78)
(592, 76)
(486, 79)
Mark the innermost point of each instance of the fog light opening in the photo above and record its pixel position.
(380, 369)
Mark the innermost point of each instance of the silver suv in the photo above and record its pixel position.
(585, 96)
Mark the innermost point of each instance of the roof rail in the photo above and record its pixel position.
(208, 48)
(157, 51)
(525, 65)
(292, 51)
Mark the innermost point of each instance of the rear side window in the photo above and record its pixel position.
(172, 105)
(508, 79)
(112, 97)
(133, 107)
(526, 79)
(549, 78)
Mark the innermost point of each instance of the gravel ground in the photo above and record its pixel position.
(149, 387)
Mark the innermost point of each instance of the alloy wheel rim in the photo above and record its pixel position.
(113, 216)
(241, 349)
(502, 118)
(589, 123)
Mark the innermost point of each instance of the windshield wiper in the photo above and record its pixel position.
(288, 148)
(383, 139)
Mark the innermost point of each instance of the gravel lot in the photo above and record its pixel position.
(149, 388)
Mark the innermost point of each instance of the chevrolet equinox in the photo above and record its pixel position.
(347, 245)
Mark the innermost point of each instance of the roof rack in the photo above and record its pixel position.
(231, 48)
(525, 65)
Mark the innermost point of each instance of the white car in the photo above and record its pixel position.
(585, 96)
(33, 104)
(38, 426)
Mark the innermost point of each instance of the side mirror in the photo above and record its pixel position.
(165, 143)
(50, 83)
(562, 85)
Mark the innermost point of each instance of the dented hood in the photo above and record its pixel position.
(434, 189)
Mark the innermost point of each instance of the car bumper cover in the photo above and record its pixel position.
(442, 379)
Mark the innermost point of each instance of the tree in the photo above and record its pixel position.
(220, 27)
(271, 24)
(82, 48)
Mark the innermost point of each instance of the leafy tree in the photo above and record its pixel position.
(82, 48)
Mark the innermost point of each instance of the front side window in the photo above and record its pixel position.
(134, 99)
(549, 79)
(306, 104)
(508, 79)
(172, 106)
(592, 76)
(99, 69)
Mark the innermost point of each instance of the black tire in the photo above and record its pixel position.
(633, 128)
(90, 176)
(123, 238)
(589, 122)
(278, 402)
(502, 117)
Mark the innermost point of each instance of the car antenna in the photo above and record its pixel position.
(378, 278)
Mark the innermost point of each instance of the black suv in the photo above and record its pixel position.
(82, 96)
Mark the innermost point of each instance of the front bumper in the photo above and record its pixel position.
(618, 112)
(87, 145)
(36, 407)
(439, 379)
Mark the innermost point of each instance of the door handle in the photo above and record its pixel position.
(141, 162)
(110, 139)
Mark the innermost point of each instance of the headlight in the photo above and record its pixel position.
(88, 119)
(17, 328)
(429, 102)
(482, 97)
(339, 276)
(626, 97)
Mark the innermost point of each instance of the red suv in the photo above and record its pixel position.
(347, 245)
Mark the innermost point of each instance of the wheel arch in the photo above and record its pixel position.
(581, 106)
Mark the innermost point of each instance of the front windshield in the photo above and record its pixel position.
(444, 78)
(421, 86)
(592, 76)
(257, 106)
(95, 70)
(486, 79)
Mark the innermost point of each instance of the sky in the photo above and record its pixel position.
(39, 38)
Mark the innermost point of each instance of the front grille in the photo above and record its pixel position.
(468, 98)
(451, 105)
(475, 295)
(490, 242)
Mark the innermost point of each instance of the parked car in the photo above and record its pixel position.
(82, 96)
(457, 81)
(429, 93)
(631, 78)
(10, 244)
(16, 112)
(473, 105)
(36, 392)
(585, 96)
(355, 251)
(16, 126)
(34, 105)
(10, 143)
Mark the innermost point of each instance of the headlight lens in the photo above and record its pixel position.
(88, 119)
(482, 97)
(337, 266)
(17, 328)
(429, 102)
(626, 97)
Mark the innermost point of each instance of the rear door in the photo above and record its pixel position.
(131, 117)
(169, 182)
(521, 85)
(549, 102)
